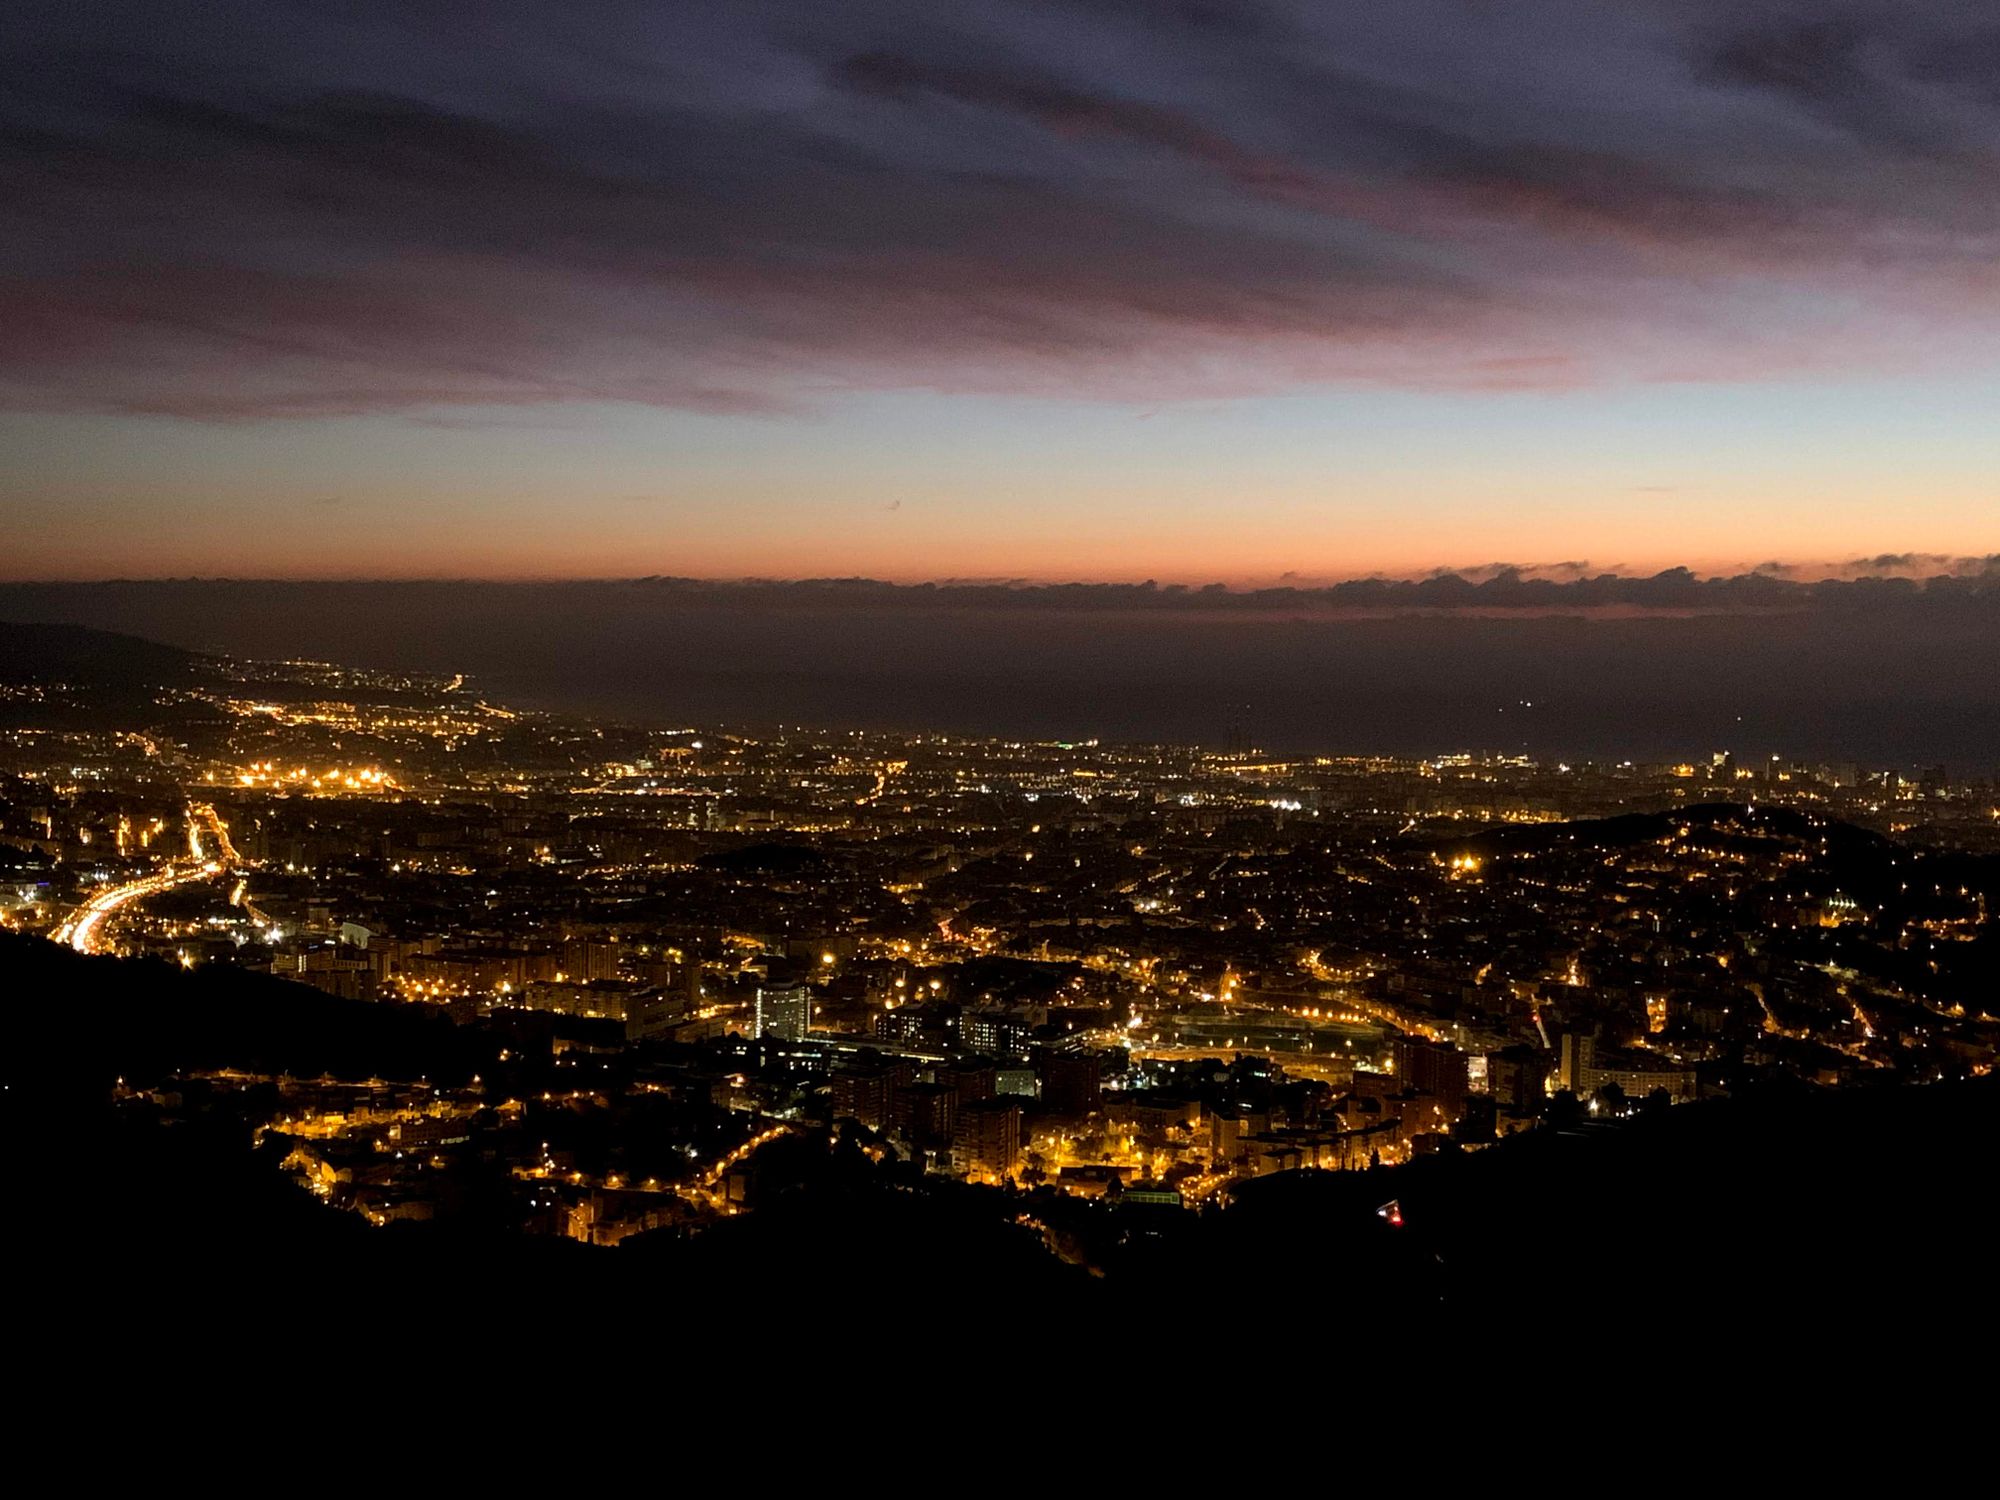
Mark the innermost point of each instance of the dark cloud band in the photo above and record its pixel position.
(241, 211)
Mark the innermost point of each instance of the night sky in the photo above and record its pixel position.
(1038, 289)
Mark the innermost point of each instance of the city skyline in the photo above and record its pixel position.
(1055, 292)
(333, 977)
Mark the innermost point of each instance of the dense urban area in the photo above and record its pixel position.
(1114, 986)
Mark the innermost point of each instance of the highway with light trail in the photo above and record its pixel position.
(84, 931)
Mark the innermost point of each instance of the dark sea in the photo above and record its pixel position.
(1912, 686)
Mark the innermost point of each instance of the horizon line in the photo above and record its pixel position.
(1910, 567)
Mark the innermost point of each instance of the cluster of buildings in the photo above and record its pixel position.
(1130, 973)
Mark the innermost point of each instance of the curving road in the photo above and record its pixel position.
(85, 929)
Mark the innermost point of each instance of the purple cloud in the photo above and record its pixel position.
(242, 211)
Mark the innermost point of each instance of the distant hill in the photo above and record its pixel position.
(69, 677)
(36, 653)
(1625, 830)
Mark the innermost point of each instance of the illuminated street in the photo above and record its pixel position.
(86, 929)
